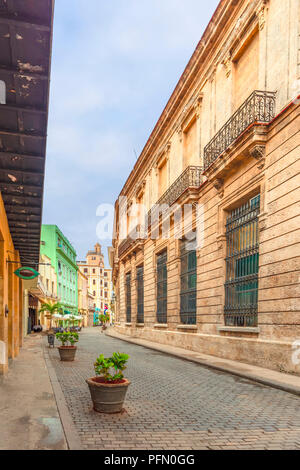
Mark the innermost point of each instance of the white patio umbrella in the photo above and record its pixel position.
(67, 317)
(73, 317)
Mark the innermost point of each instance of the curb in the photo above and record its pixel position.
(295, 390)
(71, 434)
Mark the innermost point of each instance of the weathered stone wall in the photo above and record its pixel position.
(279, 288)
(216, 82)
(211, 100)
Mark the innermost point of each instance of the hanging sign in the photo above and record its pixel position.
(26, 273)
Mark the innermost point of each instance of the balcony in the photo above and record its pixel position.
(259, 108)
(189, 180)
(131, 239)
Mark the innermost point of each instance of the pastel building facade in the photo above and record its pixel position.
(46, 289)
(99, 277)
(57, 247)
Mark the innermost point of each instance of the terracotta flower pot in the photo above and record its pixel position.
(67, 353)
(107, 397)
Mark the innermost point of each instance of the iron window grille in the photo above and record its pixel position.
(162, 287)
(242, 265)
(128, 298)
(258, 108)
(188, 279)
(140, 294)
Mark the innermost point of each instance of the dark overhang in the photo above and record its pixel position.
(25, 55)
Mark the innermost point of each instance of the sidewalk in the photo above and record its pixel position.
(286, 382)
(29, 415)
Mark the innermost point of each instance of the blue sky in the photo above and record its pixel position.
(115, 64)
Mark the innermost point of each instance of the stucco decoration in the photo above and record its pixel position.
(227, 62)
(261, 14)
(259, 153)
(219, 186)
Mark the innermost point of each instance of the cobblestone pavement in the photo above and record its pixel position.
(174, 404)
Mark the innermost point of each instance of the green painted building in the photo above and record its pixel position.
(63, 258)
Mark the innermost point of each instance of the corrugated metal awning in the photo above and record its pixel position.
(25, 53)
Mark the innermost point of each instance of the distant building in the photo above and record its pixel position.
(84, 297)
(99, 277)
(63, 258)
(45, 292)
(91, 309)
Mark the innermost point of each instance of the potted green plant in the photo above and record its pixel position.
(109, 387)
(67, 350)
(104, 320)
(50, 309)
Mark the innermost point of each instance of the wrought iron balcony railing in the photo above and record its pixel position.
(125, 244)
(258, 108)
(191, 178)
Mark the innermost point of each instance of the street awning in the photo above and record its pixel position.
(25, 55)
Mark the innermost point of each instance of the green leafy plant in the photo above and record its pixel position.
(104, 318)
(68, 337)
(51, 309)
(104, 366)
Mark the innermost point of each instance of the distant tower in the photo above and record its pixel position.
(95, 258)
(99, 277)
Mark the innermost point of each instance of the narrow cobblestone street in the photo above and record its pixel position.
(175, 404)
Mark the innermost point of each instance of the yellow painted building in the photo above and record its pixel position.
(11, 296)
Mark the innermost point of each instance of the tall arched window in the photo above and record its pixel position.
(2, 92)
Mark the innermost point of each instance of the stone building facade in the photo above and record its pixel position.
(227, 144)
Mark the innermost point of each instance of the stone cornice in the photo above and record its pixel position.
(201, 56)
